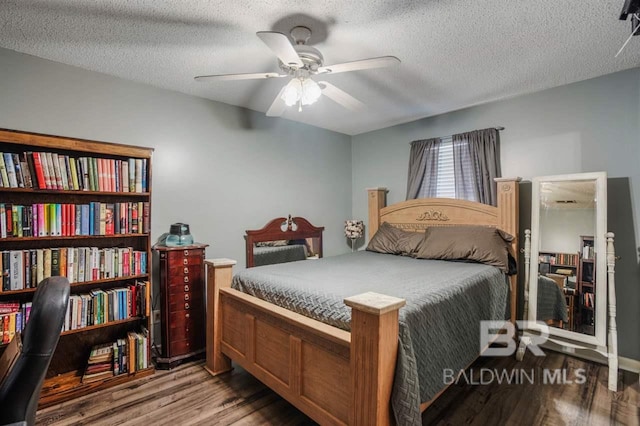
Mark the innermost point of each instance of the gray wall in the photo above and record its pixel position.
(588, 126)
(219, 168)
(560, 229)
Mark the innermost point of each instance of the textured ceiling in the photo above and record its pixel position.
(455, 53)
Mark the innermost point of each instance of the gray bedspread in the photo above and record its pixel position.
(281, 254)
(439, 326)
(551, 302)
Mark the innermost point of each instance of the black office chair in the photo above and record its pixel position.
(27, 366)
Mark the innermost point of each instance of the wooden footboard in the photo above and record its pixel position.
(333, 376)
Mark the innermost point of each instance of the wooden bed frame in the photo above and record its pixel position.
(273, 231)
(334, 376)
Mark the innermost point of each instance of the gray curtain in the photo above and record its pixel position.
(423, 168)
(476, 162)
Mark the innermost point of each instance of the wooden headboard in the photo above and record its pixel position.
(420, 214)
(295, 228)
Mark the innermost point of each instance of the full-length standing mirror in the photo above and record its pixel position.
(568, 277)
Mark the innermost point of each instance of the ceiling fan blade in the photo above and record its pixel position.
(247, 76)
(340, 96)
(282, 47)
(383, 61)
(278, 106)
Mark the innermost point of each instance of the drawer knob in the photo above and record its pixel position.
(186, 279)
(186, 287)
(186, 270)
(186, 296)
(187, 315)
(185, 261)
(186, 252)
(186, 306)
(187, 330)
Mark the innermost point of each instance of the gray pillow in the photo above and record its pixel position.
(482, 244)
(392, 240)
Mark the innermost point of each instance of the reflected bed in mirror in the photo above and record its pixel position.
(283, 240)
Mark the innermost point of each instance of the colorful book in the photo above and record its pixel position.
(11, 171)
(4, 177)
(18, 170)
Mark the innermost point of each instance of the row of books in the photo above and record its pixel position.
(124, 356)
(588, 252)
(49, 170)
(67, 220)
(103, 306)
(23, 269)
(13, 317)
(567, 259)
(588, 300)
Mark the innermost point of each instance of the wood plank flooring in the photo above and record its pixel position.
(188, 395)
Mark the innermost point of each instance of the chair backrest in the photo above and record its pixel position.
(20, 389)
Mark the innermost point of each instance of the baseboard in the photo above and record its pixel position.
(628, 364)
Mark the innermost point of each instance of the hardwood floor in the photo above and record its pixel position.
(188, 395)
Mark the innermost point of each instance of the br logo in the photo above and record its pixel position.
(503, 335)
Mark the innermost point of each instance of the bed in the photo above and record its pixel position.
(552, 305)
(283, 240)
(344, 373)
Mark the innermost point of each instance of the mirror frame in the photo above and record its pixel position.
(600, 245)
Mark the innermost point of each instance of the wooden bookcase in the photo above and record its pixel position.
(586, 286)
(64, 376)
(550, 262)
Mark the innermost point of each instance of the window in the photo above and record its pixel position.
(445, 175)
(460, 166)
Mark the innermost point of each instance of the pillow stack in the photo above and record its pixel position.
(472, 243)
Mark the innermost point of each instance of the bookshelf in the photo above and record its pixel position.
(586, 285)
(89, 220)
(552, 262)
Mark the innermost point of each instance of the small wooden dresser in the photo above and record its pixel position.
(182, 301)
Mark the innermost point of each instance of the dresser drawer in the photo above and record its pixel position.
(189, 287)
(182, 260)
(193, 333)
(194, 296)
(182, 276)
(190, 318)
(179, 304)
(182, 347)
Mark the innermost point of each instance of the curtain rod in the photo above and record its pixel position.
(498, 128)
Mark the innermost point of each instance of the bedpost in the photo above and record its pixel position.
(219, 274)
(612, 338)
(508, 191)
(377, 200)
(374, 349)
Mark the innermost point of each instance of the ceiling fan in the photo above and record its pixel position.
(300, 62)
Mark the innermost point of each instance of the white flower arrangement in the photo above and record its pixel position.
(353, 229)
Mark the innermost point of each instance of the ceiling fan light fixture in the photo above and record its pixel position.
(310, 91)
(292, 91)
(301, 90)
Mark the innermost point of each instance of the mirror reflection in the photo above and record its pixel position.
(566, 267)
(283, 239)
(282, 251)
